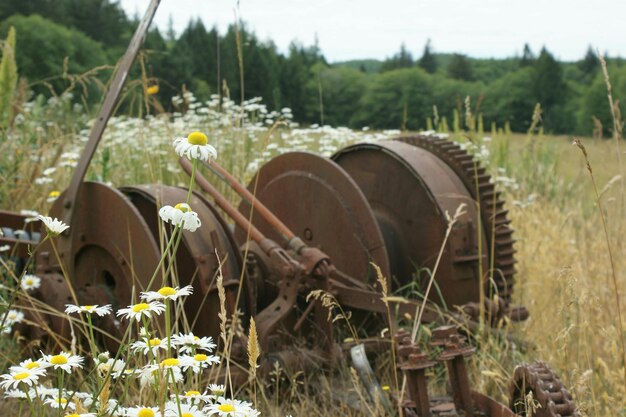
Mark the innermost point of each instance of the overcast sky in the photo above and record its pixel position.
(355, 29)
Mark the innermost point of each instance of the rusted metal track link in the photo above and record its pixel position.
(549, 397)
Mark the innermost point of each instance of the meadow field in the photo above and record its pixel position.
(566, 278)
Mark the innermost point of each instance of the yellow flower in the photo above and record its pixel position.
(152, 90)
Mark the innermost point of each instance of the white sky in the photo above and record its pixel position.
(354, 29)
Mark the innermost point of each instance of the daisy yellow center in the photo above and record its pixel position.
(154, 342)
(167, 291)
(88, 308)
(196, 338)
(184, 207)
(73, 415)
(138, 308)
(192, 393)
(197, 138)
(152, 90)
(170, 362)
(31, 365)
(29, 281)
(145, 412)
(20, 376)
(54, 194)
(62, 400)
(58, 360)
(226, 408)
(186, 415)
(200, 357)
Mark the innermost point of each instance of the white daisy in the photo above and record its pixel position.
(143, 412)
(55, 226)
(99, 310)
(137, 311)
(186, 410)
(14, 316)
(64, 361)
(26, 376)
(230, 408)
(149, 374)
(198, 361)
(30, 364)
(188, 343)
(32, 215)
(195, 146)
(15, 393)
(56, 402)
(111, 366)
(167, 293)
(217, 390)
(153, 345)
(180, 215)
(30, 282)
(194, 396)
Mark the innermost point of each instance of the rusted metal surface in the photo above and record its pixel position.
(113, 252)
(409, 192)
(317, 200)
(494, 216)
(549, 397)
(199, 257)
(414, 363)
(17, 234)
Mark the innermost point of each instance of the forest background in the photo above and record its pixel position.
(56, 41)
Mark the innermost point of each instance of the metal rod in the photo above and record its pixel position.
(110, 101)
(257, 205)
(224, 204)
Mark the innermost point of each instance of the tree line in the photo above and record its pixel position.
(61, 37)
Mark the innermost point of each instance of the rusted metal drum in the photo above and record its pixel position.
(411, 193)
(322, 205)
(199, 255)
(494, 215)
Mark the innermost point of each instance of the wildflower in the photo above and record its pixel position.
(53, 195)
(230, 408)
(30, 364)
(149, 373)
(198, 361)
(137, 311)
(188, 343)
(55, 226)
(193, 395)
(186, 410)
(15, 393)
(180, 215)
(30, 282)
(64, 361)
(149, 345)
(81, 415)
(167, 293)
(22, 375)
(152, 90)
(115, 367)
(170, 363)
(14, 316)
(100, 311)
(217, 390)
(56, 402)
(143, 412)
(32, 215)
(195, 146)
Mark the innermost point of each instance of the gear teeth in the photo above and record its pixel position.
(491, 203)
(547, 389)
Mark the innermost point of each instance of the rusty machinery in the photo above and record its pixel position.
(305, 223)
